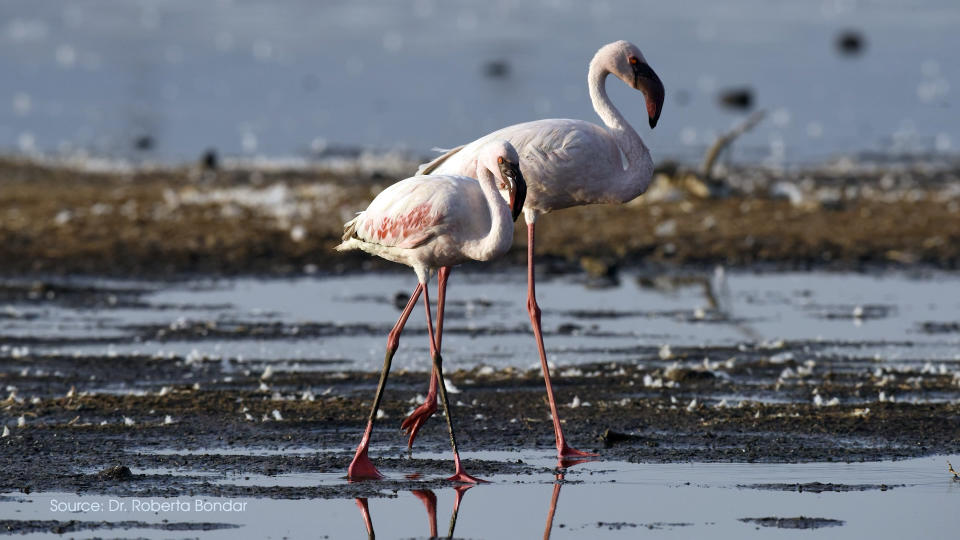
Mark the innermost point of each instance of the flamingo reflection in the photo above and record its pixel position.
(562, 466)
(429, 500)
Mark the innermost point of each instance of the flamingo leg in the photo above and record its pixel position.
(459, 475)
(361, 466)
(419, 416)
(563, 450)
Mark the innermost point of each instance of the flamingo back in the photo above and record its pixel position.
(563, 161)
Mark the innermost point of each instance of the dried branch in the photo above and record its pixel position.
(724, 140)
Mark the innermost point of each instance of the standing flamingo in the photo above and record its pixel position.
(567, 163)
(432, 223)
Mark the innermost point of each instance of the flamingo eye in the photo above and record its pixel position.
(633, 60)
(500, 160)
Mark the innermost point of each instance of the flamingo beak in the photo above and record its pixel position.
(646, 80)
(516, 186)
(519, 194)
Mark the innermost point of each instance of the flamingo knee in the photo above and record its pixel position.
(533, 309)
(393, 341)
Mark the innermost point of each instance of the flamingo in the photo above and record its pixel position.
(567, 163)
(432, 223)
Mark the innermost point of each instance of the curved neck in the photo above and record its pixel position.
(639, 165)
(498, 239)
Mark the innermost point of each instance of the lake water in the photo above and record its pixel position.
(305, 78)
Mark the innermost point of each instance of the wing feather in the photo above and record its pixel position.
(429, 167)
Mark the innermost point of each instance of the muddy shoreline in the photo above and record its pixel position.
(55, 219)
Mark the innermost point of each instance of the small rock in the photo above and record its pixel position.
(117, 472)
(597, 267)
(611, 437)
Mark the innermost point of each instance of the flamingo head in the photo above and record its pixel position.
(625, 60)
(504, 163)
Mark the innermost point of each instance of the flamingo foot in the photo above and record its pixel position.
(568, 453)
(361, 468)
(462, 477)
(418, 417)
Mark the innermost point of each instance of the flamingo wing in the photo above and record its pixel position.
(406, 214)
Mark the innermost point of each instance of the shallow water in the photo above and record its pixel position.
(866, 318)
(890, 499)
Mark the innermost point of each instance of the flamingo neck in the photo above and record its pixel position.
(639, 170)
(498, 239)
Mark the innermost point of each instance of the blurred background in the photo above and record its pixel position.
(164, 81)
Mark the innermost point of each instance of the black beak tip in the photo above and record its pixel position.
(653, 123)
(519, 196)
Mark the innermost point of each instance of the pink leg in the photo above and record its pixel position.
(459, 475)
(563, 451)
(419, 416)
(361, 467)
(365, 510)
(429, 500)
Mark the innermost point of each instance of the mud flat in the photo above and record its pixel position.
(69, 218)
(219, 438)
(710, 367)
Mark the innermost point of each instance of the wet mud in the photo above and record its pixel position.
(819, 487)
(794, 523)
(220, 423)
(13, 526)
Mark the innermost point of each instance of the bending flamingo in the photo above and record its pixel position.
(432, 223)
(567, 163)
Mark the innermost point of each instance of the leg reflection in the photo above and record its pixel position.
(365, 510)
(553, 506)
(562, 466)
(429, 500)
(461, 489)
